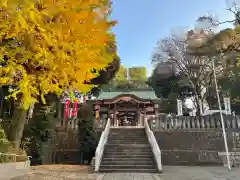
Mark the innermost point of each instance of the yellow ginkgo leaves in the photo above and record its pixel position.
(48, 46)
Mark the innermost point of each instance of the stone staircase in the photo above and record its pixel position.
(128, 150)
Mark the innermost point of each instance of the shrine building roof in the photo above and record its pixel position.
(147, 94)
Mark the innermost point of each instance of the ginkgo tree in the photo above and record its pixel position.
(48, 46)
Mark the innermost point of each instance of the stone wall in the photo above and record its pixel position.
(195, 147)
(62, 148)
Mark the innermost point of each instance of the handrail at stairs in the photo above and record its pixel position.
(154, 145)
(101, 145)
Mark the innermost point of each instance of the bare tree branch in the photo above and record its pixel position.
(196, 68)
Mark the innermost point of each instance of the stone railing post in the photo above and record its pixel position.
(233, 121)
(101, 145)
(154, 145)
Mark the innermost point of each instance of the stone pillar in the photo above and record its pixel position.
(141, 119)
(97, 121)
(144, 115)
(227, 105)
(115, 117)
(97, 112)
(179, 107)
(156, 110)
(138, 118)
(110, 115)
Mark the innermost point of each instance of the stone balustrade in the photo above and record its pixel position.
(193, 122)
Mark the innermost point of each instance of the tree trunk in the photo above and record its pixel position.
(18, 122)
(196, 104)
(2, 99)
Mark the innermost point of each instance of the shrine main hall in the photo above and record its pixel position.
(126, 107)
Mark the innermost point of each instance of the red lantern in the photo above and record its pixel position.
(75, 109)
(66, 109)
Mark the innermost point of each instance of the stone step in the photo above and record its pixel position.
(140, 134)
(132, 159)
(149, 152)
(128, 139)
(128, 166)
(129, 156)
(127, 149)
(137, 146)
(126, 129)
(128, 162)
(127, 170)
(127, 142)
(125, 136)
(132, 163)
(127, 132)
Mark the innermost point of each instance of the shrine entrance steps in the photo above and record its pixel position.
(128, 150)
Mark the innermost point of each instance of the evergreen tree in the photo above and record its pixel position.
(37, 132)
(87, 136)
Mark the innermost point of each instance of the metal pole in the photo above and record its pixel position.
(221, 116)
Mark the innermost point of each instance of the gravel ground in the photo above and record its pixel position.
(57, 176)
(181, 173)
(199, 173)
(169, 173)
(58, 172)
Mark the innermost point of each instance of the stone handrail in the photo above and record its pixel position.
(193, 122)
(101, 145)
(154, 145)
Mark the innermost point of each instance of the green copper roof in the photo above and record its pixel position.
(141, 93)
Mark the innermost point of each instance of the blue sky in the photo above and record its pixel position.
(143, 22)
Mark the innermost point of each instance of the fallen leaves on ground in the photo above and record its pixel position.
(59, 172)
(62, 167)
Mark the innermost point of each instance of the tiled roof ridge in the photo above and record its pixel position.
(140, 93)
(128, 90)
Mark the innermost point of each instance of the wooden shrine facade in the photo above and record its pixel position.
(126, 108)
